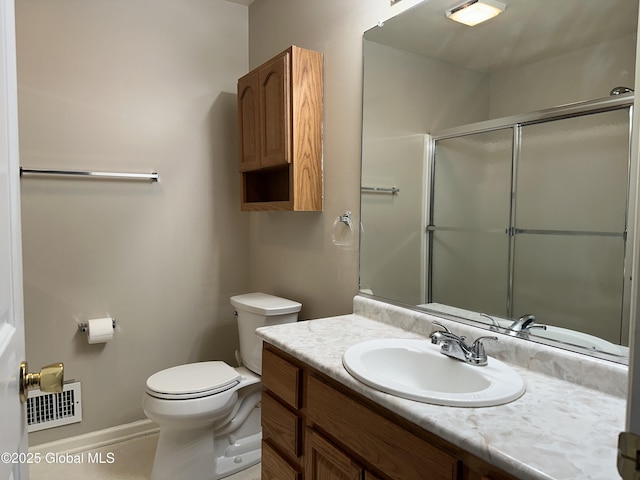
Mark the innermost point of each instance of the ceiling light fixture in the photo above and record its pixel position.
(474, 12)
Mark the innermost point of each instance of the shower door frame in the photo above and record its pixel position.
(516, 122)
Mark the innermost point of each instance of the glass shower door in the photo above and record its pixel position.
(469, 217)
(570, 222)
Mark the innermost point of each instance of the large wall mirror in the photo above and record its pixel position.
(496, 168)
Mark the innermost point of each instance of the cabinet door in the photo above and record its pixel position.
(274, 467)
(275, 114)
(325, 462)
(248, 121)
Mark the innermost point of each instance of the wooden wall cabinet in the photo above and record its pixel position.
(317, 429)
(280, 133)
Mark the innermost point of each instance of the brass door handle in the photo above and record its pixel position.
(50, 379)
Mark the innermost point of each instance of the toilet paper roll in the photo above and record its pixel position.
(100, 330)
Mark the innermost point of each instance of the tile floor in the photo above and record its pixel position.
(132, 460)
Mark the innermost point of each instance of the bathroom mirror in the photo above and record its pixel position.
(496, 165)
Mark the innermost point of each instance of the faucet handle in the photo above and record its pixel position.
(478, 343)
(438, 336)
(438, 324)
(495, 326)
(541, 327)
(526, 321)
(478, 351)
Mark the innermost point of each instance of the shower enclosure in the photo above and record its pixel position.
(528, 214)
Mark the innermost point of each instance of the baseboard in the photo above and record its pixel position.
(99, 438)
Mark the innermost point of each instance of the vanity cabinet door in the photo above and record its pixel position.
(264, 105)
(248, 121)
(274, 467)
(275, 117)
(325, 462)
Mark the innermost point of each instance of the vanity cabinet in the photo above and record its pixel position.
(280, 133)
(324, 460)
(317, 429)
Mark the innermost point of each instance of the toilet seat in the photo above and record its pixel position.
(193, 380)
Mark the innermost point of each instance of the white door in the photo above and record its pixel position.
(629, 446)
(13, 438)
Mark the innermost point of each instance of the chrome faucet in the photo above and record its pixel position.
(522, 326)
(455, 347)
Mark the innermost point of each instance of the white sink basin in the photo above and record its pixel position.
(415, 369)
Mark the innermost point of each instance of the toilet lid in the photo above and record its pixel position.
(193, 380)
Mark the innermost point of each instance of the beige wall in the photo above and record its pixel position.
(291, 253)
(560, 80)
(143, 85)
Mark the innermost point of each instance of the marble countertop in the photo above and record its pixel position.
(557, 430)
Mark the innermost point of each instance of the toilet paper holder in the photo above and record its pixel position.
(84, 327)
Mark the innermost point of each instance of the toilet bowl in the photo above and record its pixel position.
(209, 412)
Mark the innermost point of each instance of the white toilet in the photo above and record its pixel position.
(209, 412)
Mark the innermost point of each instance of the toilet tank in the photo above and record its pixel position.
(257, 310)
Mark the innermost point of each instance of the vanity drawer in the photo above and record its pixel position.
(282, 378)
(280, 426)
(275, 467)
(388, 447)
